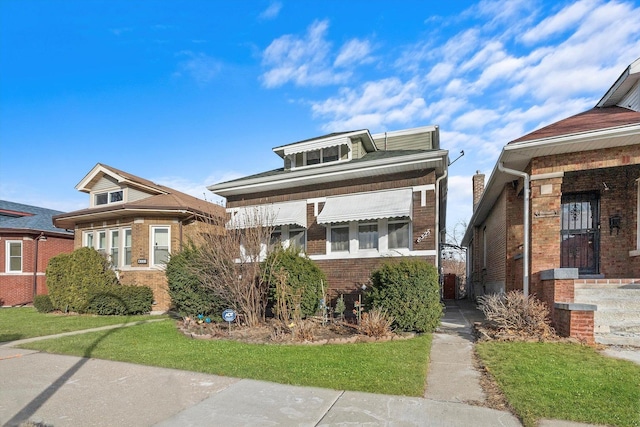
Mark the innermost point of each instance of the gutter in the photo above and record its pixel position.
(525, 254)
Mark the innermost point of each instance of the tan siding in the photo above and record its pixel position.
(422, 141)
(135, 194)
(105, 183)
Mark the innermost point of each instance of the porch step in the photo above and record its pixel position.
(617, 318)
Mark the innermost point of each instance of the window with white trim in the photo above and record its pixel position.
(160, 245)
(398, 234)
(318, 156)
(368, 236)
(126, 246)
(108, 197)
(339, 237)
(13, 261)
(87, 239)
(115, 248)
(298, 238)
(102, 242)
(276, 237)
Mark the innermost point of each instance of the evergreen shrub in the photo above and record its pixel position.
(43, 304)
(409, 291)
(189, 296)
(302, 275)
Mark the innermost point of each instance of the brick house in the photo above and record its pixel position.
(352, 199)
(137, 224)
(28, 240)
(573, 186)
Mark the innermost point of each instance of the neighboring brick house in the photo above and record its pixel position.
(352, 199)
(583, 207)
(138, 223)
(28, 240)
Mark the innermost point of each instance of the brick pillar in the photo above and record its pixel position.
(546, 196)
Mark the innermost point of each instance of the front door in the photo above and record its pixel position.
(580, 232)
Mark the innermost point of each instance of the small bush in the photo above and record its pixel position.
(43, 304)
(375, 323)
(516, 314)
(409, 291)
(188, 296)
(121, 300)
(302, 275)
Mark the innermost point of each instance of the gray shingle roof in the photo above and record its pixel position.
(26, 217)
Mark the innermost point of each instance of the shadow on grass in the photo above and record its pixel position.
(32, 407)
(4, 338)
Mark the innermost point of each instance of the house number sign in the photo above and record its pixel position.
(423, 236)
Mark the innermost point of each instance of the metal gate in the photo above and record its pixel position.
(580, 232)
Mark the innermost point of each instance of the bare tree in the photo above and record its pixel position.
(453, 254)
(228, 263)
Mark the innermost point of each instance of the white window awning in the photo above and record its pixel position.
(364, 206)
(315, 145)
(272, 214)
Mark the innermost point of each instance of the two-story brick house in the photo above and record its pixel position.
(352, 199)
(138, 224)
(561, 208)
(28, 240)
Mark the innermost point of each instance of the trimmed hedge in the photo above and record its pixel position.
(43, 304)
(409, 291)
(188, 296)
(302, 273)
(121, 300)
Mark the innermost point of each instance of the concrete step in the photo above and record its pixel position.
(608, 284)
(618, 340)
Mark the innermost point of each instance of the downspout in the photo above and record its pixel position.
(35, 266)
(443, 176)
(525, 254)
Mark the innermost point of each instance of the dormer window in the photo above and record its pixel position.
(319, 156)
(109, 197)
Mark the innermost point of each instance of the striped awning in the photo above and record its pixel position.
(364, 206)
(272, 214)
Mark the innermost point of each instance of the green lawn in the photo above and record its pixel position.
(26, 322)
(393, 367)
(564, 381)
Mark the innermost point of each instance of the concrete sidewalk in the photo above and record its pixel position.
(73, 391)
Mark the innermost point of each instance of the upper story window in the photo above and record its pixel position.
(319, 156)
(14, 256)
(109, 197)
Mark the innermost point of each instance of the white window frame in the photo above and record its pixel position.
(8, 256)
(344, 154)
(100, 248)
(109, 194)
(330, 229)
(377, 240)
(115, 260)
(636, 252)
(126, 248)
(152, 242)
(86, 236)
(399, 221)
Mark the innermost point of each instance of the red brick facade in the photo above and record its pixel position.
(17, 288)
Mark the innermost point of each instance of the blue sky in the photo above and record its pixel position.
(189, 93)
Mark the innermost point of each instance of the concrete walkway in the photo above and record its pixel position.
(73, 391)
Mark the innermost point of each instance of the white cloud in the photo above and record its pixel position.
(271, 12)
(353, 52)
(566, 19)
(199, 66)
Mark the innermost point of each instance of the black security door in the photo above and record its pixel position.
(580, 232)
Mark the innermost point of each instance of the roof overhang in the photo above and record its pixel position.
(518, 155)
(314, 144)
(99, 170)
(69, 220)
(433, 159)
(621, 87)
(36, 232)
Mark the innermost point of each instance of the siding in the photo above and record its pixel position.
(421, 141)
(632, 99)
(134, 194)
(105, 183)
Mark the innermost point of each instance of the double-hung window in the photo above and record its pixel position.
(398, 234)
(115, 246)
(160, 244)
(298, 237)
(13, 260)
(127, 246)
(340, 237)
(368, 236)
(88, 239)
(102, 242)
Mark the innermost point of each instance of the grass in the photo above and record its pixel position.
(564, 381)
(25, 322)
(393, 367)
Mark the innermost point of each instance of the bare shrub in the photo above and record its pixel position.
(516, 314)
(228, 263)
(376, 323)
(303, 330)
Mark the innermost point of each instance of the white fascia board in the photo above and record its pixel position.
(341, 170)
(98, 168)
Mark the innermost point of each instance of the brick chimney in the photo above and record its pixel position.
(478, 188)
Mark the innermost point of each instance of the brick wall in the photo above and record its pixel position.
(17, 289)
(575, 323)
